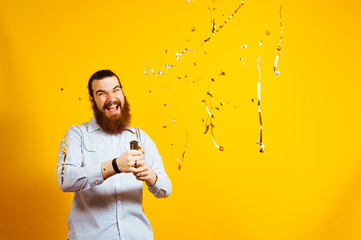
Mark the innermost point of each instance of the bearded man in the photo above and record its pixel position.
(96, 163)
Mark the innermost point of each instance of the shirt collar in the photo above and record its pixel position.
(131, 129)
(93, 125)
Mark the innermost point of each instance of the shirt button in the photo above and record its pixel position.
(96, 182)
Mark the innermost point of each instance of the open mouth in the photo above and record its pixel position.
(113, 108)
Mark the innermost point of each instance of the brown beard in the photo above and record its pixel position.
(114, 124)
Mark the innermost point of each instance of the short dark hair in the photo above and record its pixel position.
(98, 76)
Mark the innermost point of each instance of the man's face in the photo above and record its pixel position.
(108, 96)
(110, 106)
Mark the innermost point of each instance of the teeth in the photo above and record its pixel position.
(113, 106)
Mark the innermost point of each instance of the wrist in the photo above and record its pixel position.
(107, 169)
(153, 180)
(115, 165)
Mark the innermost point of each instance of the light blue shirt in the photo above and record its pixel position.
(111, 208)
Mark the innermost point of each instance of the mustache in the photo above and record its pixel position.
(108, 104)
(114, 124)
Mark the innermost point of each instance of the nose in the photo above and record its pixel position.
(111, 96)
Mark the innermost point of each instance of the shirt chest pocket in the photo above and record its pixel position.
(94, 151)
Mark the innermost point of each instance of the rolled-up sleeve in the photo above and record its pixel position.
(72, 175)
(163, 187)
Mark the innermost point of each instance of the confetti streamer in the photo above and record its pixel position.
(168, 66)
(244, 63)
(151, 70)
(209, 123)
(62, 165)
(220, 148)
(215, 31)
(275, 65)
(213, 25)
(159, 72)
(259, 106)
(180, 163)
(209, 113)
(279, 48)
(207, 100)
(213, 20)
(184, 51)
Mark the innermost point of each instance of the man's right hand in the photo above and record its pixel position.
(129, 160)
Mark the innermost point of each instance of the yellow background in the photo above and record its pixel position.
(307, 184)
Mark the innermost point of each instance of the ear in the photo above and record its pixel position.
(91, 100)
(123, 91)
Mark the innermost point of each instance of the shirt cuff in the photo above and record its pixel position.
(155, 188)
(94, 174)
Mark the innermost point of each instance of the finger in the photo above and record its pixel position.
(135, 152)
(133, 161)
(140, 174)
(134, 158)
(143, 178)
(136, 164)
(130, 159)
(141, 163)
(137, 176)
(142, 169)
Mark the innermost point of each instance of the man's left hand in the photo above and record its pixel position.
(145, 173)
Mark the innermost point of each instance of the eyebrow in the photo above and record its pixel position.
(102, 91)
